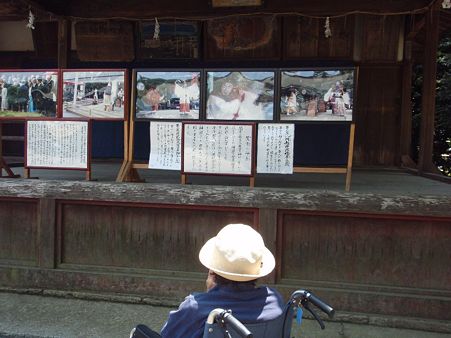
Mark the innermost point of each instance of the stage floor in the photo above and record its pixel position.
(390, 181)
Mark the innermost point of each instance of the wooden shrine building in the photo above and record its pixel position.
(385, 257)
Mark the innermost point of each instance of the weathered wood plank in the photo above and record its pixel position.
(105, 41)
(196, 8)
(63, 43)
(378, 115)
(46, 233)
(425, 163)
(224, 196)
(18, 232)
(379, 254)
(140, 237)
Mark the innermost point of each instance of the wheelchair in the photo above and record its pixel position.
(222, 324)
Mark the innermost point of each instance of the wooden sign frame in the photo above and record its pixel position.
(27, 167)
(3, 164)
(347, 169)
(128, 171)
(184, 173)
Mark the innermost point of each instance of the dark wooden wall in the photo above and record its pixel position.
(370, 42)
(378, 255)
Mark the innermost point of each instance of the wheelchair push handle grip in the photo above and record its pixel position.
(305, 296)
(322, 305)
(237, 326)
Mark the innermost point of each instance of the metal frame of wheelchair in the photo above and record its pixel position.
(222, 324)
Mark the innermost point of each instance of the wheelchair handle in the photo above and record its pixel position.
(225, 318)
(306, 295)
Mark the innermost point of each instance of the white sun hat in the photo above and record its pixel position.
(237, 253)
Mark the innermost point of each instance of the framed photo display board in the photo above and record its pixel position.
(321, 94)
(58, 144)
(95, 94)
(28, 93)
(218, 149)
(173, 95)
(240, 95)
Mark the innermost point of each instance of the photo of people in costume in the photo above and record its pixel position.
(240, 95)
(322, 95)
(94, 94)
(168, 95)
(28, 93)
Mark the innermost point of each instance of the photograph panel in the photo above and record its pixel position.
(167, 95)
(317, 95)
(94, 94)
(25, 94)
(240, 95)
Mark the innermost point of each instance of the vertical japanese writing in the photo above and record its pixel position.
(218, 149)
(275, 148)
(165, 145)
(57, 144)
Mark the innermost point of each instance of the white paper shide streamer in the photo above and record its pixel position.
(327, 31)
(31, 19)
(156, 33)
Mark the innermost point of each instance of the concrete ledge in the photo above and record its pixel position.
(340, 322)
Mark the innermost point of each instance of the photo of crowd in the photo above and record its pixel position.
(94, 94)
(28, 94)
(324, 95)
(240, 95)
(168, 95)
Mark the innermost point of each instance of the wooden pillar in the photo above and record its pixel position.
(405, 142)
(425, 163)
(63, 43)
(46, 232)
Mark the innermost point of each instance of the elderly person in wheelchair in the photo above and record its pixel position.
(236, 257)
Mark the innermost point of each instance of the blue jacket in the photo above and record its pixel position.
(248, 303)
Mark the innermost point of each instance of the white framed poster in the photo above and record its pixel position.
(275, 148)
(218, 149)
(165, 145)
(57, 144)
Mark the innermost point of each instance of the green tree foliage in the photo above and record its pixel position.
(442, 135)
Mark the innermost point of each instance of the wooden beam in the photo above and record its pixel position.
(63, 43)
(425, 163)
(3, 164)
(405, 141)
(139, 9)
(350, 157)
(417, 27)
(46, 232)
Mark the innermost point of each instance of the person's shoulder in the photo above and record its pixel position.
(190, 302)
(272, 292)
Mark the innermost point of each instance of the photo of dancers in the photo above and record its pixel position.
(168, 95)
(319, 94)
(240, 95)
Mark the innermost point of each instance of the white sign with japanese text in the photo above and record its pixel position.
(57, 144)
(218, 148)
(275, 148)
(165, 145)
